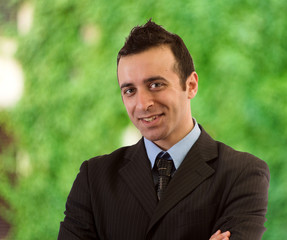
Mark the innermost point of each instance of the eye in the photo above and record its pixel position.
(156, 85)
(128, 91)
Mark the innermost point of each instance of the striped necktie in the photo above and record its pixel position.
(165, 167)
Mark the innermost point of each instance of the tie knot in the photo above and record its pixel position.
(164, 155)
(164, 164)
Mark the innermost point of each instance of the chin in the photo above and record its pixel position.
(153, 137)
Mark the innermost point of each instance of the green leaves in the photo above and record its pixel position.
(72, 109)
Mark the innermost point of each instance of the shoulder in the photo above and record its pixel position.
(238, 161)
(113, 160)
(116, 157)
(104, 170)
(228, 160)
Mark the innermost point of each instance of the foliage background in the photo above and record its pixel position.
(72, 110)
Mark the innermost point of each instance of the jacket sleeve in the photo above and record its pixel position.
(246, 205)
(79, 222)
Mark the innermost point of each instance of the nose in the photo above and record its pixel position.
(144, 100)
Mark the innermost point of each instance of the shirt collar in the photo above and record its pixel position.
(177, 151)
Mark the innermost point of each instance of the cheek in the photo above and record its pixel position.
(178, 110)
(129, 108)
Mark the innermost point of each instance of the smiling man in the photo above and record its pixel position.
(177, 182)
(154, 97)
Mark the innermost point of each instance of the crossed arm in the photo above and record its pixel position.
(220, 235)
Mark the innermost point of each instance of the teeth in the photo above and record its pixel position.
(150, 119)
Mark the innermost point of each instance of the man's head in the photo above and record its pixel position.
(151, 35)
(156, 98)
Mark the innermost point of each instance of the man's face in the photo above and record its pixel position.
(153, 96)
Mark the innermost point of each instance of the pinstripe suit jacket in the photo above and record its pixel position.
(216, 187)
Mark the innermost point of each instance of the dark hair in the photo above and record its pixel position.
(150, 35)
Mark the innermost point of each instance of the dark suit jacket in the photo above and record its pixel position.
(215, 187)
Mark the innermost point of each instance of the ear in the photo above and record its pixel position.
(192, 85)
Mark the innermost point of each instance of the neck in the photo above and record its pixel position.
(168, 142)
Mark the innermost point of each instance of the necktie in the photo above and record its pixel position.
(164, 166)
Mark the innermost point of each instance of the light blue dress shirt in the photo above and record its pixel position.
(177, 151)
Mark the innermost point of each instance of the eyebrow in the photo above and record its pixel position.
(150, 79)
(124, 85)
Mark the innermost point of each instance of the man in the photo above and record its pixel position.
(176, 182)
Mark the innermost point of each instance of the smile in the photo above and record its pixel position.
(151, 118)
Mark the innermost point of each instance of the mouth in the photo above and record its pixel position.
(150, 118)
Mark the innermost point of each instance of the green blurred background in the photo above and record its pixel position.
(71, 108)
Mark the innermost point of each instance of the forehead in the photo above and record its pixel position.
(154, 61)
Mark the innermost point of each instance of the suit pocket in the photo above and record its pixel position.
(199, 216)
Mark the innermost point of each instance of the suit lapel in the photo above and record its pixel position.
(193, 171)
(137, 175)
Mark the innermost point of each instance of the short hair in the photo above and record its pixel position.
(150, 35)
